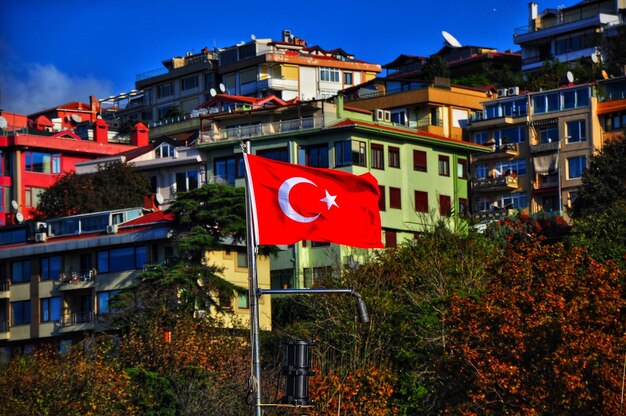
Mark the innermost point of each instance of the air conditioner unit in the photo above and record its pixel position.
(41, 226)
(387, 116)
(513, 91)
(502, 92)
(112, 229)
(379, 115)
(41, 237)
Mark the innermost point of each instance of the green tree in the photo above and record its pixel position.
(551, 75)
(614, 51)
(114, 185)
(436, 66)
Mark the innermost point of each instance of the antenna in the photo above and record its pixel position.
(212, 92)
(19, 217)
(570, 77)
(3, 123)
(76, 118)
(222, 88)
(450, 40)
(594, 58)
(15, 205)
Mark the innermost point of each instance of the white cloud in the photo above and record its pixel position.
(44, 86)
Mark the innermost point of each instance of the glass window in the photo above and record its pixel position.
(122, 259)
(186, 181)
(227, 169)
(243, 301)
(516, 200)
(50, 267)
(104, 301)
(329, 74)
(20, 271)
(164, 150)
(421, 201)
(462, 169)
(394, 157)
(395, 198)
(481, 137)
(381, 199)
(576, 131)
(419, 160)
(32, 196)
(347, 78)
(444, 165)
(391, 238)
(378, 158)
(280, 154)
(317, 156)
(189, 82)
(510, 135)
(20, 312)
(517, 166)
(42, 162)
(51, 309)
(576, 166)
(549, 134)
(165, 90)
(242, 260)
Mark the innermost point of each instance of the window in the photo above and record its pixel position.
(549, 134)
(39, 162)
(421, 201)
(122, 259)
(381, 199)
(516, 200)
(463, 207)
(51, 309)
(394, 157)
(164, 150)
(576, 166)
(242, 260)
(517, 166)
(104, 301)
(419, 160)
(186, 181)
(280, 154)
(317, 156)
(227, 169)
(20, 271)
(189, 82)
(395, 198)
(576, 131)
(350, 152)
(399, 117)
(50, 267)
(165, 90)
(481, 170)
(391, 238)
(347, 78)
(32, 196)
(378, 156)
(445, 205)
(444, 165)
(329, 74)
(510, 135)
(462, 169)
(20, 312)
(481, 137)
(243, 302)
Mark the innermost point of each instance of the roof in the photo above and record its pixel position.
(150, 218)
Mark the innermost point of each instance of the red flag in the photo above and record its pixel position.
(292, 203)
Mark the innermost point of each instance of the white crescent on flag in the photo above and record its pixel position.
(285, 204)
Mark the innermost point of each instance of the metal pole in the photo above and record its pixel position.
(253, 287)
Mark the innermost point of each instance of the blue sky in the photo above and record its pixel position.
(52, 52)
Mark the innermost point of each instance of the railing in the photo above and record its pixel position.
(78, 318)
(256, 130)
(5, 285)
(544, 147)
(151, 73)
(77, 277)
(4, 327)
(565, 18)
(501, 182)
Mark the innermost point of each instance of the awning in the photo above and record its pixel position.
(546, 164)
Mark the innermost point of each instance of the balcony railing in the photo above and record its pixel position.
(492, 215)
(78, 318)
(500, 183)
(77, 277)
(544, 147)
(263, 129)
(502, 151)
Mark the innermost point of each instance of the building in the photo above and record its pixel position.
(422, 176)
(33, 156)
(567, 34)
(612, 107)
(541, 144)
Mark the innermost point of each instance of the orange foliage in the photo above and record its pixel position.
(548, 337)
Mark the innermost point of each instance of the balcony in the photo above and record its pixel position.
(492, 215)
(77, 321)
(5, 332)
(500, 152)
(501, 183)
(77, 280)
(5, 289)
(262, 129)
(544, 147)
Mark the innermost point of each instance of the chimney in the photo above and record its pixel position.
(101, 131)
(139, 135)
(95, 106)
(532, 13)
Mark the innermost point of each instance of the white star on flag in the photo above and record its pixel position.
(330, 200)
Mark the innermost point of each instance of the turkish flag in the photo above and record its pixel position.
(292, 203)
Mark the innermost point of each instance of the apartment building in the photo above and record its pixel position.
(541, 144)
(422, 176)
(611, 95)
(567, 34)
(38, 150)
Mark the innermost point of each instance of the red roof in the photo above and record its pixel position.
(150, 218)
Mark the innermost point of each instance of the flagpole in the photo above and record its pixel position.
(253, 286)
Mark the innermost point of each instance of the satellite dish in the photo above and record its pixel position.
(14, 204)
(450, 40)
(594, 58)
(570, 76)
(19, 217)
(212, 92)
(222, 87)
(3, 123)
(252, 37)
(605, 75)
(159, 199)
(76, 118)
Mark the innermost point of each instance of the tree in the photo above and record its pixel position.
(614, 51)
(551, 75)
(114, 185)
(436, 66)
(546, 338)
